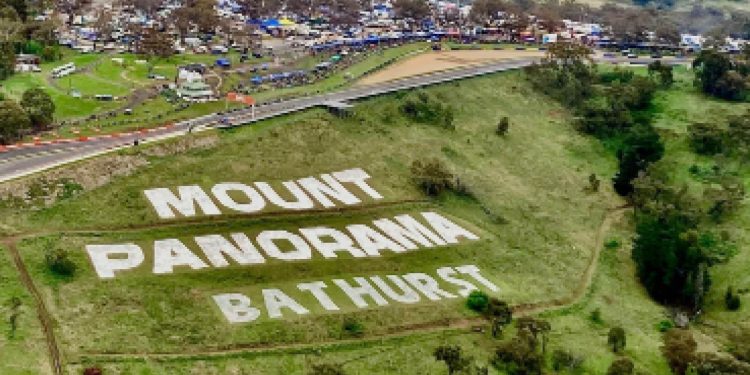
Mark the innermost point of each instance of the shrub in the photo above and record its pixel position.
(502, 126)
(679, 350)
(731, 300)
(425, 108)
(432, 176)
(596, 316)
(353, 327)
(92, 371)
(563, 360)
(58, 261)
(478, 301)
(452, 356)
(621, 366)
(616, 339)
(665, 325)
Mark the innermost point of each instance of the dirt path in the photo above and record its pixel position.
(41, 308)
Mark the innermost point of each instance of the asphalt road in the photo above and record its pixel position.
(23, 161)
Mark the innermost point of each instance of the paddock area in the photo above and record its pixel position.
(442, 60)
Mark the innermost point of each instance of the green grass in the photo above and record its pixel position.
(536, 222)
(533, 179)
(24, 352)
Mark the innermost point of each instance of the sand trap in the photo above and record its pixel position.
(441, 60)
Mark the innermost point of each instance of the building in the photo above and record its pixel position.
(195, 91)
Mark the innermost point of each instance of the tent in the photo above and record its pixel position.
(285, 22)
(270, 23)
(257, 80)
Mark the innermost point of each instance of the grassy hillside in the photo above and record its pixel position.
(540, 230)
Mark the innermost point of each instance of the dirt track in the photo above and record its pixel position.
(442, 60)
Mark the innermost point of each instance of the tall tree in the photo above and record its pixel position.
(13, 121)
(39, 107)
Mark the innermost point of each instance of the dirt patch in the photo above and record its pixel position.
(442, 60)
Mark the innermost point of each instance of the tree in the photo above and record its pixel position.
(621, 366)
(665, 72)
(59, 262)
(537, 327)
(411, 10)
(679, 350)
(668, 260)
(103, 25)
(714, 73)
(39, 107)
(616, 339)
(500, 314)
(483, 11)
(519, 356)
(453, 357)
(641, 147)
(15, 313)
(731, 300)
(155, 44)
(13, 121)
(502, 126)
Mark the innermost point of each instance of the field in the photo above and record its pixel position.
(542, 236)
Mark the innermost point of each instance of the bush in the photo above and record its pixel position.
(432, 176)
(502, 126)
(58, 261)
(665, 325)
(731, 300)
(478, 301)
(453, 358)
(563, 360)
(92, 371)
(679, 349)
(596, 316)
(425, 108)
(621, 366)
(353, 327)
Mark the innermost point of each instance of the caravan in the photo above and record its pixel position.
(63, 70)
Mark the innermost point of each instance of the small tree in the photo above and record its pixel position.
(731, 300)
(537, 327)
(39, 107)
(500, 314)
(95, 370)
(13, 121)
(502, 126)
(58, 261)
(563, 360)
(621, 366)
(679, 349)
(616, 339)
(15, 312)
(594, 183)
(452, 356)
